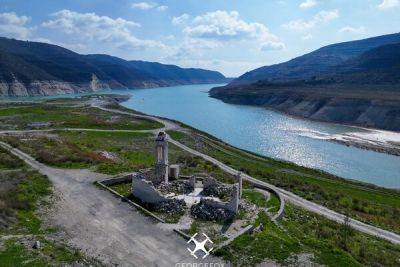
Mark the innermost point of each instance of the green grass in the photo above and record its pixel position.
(273, 204)
(71, 117)
(19, 195)
(123, 189)
(82, 150)
(14, 254)
(272, 243)
(330, 243)
(60, 253)
(134, 151)
(367, 203)
(176, 135)
(255, 197)
(9, 161)
(22, 191)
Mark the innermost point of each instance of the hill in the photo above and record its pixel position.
(363, 90)
(33, 68)
(316, 62)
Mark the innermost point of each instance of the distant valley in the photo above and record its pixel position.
(33, 68)
(355, 83)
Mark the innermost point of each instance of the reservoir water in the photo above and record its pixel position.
(268, 133)
(264, 131)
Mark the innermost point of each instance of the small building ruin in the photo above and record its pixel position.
(162, 187)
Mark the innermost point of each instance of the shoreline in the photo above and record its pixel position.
(380, 141)
(356, 182)
(379, 144)
(372, 139)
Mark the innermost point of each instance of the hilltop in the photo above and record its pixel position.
(362, 90)
(33, 68)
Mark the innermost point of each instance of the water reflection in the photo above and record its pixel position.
(268, 133)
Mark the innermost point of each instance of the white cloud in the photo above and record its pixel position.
(353, 30)
(223, 26)
(321, 17)
(308, 4)
(148, 6)
(143, 5)
(270, 45)
(307, 37)
(14, 26)
(169, 37)
(388, 4)
(192, 48)
(91, 27)
(181, 19)
(162, 8)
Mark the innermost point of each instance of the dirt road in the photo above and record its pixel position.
(104, 227)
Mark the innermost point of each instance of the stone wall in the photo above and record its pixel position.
(119, 180)
(232, 205)
(209, 209)
(145, 191)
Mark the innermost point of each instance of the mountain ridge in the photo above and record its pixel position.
(33, 68)
(317, 61)
(363, 91)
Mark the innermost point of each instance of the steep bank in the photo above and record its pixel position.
(49, 87)
(367, 109)
(33, 68)
(363, 90)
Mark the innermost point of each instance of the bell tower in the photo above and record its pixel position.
(161, 150)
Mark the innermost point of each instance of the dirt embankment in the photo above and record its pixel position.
(378, 109)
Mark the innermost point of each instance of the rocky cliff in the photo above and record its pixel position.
(363, 108)
(33, 68)
(363, 90)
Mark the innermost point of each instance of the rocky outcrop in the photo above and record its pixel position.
(380, 111)
(49, 87)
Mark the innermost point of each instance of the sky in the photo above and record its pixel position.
(229, 36)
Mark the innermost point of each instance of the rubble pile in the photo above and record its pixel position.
(213, 188)
(170, 206)
(206, 211)
(178, 187)
(247, 206)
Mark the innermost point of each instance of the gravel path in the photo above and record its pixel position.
(104, 227)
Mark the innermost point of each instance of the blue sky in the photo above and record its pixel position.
(229, 36)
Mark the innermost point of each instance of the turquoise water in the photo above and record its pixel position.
(267, 132)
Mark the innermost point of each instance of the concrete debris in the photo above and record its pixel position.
(36, 245)
(177, 187)
(213, 188)
(258, 229)
(170, 206)
(206, 210)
